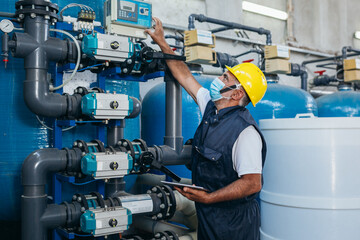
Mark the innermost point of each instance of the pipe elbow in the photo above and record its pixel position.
(41, 162)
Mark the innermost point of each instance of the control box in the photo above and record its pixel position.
(128, 17)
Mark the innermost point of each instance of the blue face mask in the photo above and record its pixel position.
(215, 88)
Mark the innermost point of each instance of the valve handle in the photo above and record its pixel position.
(248, 61)
(321, 72)
(147, 159)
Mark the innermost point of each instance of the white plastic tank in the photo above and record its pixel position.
(311, 179)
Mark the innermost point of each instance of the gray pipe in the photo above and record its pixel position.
(148, 225)
(7, 15)
(37, 49)
(35, 169)
(173, 113)
(229, 25)
(168, 156)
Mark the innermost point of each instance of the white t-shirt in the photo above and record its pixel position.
(246, 152)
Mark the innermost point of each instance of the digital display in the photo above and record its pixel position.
(127, 8)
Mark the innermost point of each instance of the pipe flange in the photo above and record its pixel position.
(34, 8)
(166, 235)
(143, 144)
(80, 198)
(172, 201)
(128, 146)
(82, 145)
(168, 202)
(68, 213)
(101, 147)
(81, 90)
(99, 199)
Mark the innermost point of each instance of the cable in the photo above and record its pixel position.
(82, 6)
(84, 183)
(81, 235)
(96, 65)
(77, 61)
(51, 129)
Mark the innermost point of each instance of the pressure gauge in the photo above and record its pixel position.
(6, 26)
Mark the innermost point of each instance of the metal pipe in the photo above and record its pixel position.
(347, 49)
(168, 156)
(230, 25)
(152, 226)
(37, 49)
(327, 59)
(187, 209)
(35, 169)
(115, 133)
(7, 15)
(250, 41)
(173, 113)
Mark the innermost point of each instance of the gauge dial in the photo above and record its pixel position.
(6, 26)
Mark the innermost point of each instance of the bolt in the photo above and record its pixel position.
(129, 61)
(33, 15)
(125, 144)
(74, 144)
(83, 153)
(78, 199)
(107, 91)
(159, 215)
(21, 16)
(157, 235)
(80, 90)
(159, 195)
(162, 206)
(125, 70)
(79, 144)
(153, 189)
(82, 209)
(163, 238)
(106, 180)
(106, 237)
(148, 191)
(91, 215)
(54, 20)
(47, 8)
(74, 197)
(33, 6)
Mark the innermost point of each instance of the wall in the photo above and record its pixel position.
(321, 25)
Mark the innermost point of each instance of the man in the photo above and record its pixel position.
(228, 148)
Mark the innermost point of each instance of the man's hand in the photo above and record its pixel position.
(195, 195)
(158, 34)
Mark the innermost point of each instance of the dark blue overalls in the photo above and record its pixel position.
(212, 168)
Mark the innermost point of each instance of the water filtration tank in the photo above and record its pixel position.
(310, 178)
(21, 133)
(153, 118)
(281, 101)
(339, 104)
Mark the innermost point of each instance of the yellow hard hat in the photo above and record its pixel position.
(252, 79)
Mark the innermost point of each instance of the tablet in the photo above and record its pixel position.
(181, 185)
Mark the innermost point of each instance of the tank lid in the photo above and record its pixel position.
(311, 123)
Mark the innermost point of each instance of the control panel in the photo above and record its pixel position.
(128, 17)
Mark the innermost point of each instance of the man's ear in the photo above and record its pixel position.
(237, 95)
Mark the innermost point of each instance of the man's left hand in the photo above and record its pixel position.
(195, 195)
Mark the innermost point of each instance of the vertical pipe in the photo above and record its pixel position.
(115, 133)
(114, 186)
(173, 115)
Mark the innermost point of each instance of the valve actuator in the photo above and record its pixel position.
(106, 105)
(106, 221)
(106, 164)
